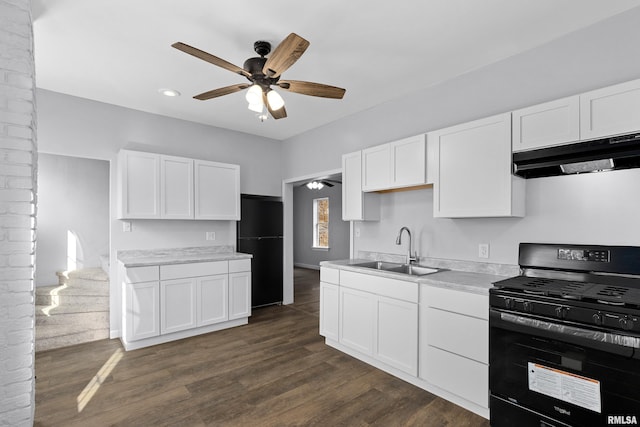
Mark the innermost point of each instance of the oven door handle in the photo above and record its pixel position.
(602, 338)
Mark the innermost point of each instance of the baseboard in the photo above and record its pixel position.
(309, 266)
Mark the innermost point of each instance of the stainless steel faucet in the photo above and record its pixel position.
(410, 258)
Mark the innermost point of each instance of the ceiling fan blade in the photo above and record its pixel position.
(210, 58)
(327, 183)
(221, 91)
(285, 55)
(276, 114)
(312, 89)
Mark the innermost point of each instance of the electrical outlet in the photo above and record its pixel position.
(483, 250)
(210, 235)
(126, 226)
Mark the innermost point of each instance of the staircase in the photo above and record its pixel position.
(74, 311)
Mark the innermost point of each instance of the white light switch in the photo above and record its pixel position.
(126, 226)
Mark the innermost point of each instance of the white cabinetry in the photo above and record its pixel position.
(168, 187)
(610, 111)
(141, 303)
(397, 164)
(177, 305)
(176, 187)
(217, 190)
(239, 289)
(454, 339)
(552, 123)
(357, 205)
(168, 302)
(473, 176)
(329, 302)
(378, 317)
(139, 182)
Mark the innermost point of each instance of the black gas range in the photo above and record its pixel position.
(565, 338)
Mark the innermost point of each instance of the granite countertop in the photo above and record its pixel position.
(467, 281)
(150, 257)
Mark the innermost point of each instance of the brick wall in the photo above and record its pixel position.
(17, 213)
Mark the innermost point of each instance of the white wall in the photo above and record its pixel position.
(303, 252)
(598, 56)
(83, 128)
(73, 195)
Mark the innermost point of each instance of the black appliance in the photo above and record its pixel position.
(619, 152)
(259, 232)
(564, 338)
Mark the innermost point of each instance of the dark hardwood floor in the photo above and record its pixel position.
(275, 371)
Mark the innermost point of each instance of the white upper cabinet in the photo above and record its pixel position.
(473, 173)
(409, 162)
(376, 168)
(176, 187)
(168, 187)
(356, 205)
(139, 181)
(552, 123)
(397, 164)
(610, 111)
(217, 190)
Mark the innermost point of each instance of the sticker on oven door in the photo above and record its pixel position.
(565, 386)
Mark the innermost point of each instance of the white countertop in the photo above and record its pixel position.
(143, 258)
(466, 281)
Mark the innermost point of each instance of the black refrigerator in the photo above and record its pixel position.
(259, 233)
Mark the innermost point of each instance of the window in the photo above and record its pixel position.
(321, 223)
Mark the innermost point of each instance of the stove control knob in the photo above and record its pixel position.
(598, 319)
(528, 306)
(626, 323)
(561, 312)
(508, 303)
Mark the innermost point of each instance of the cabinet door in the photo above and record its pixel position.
(397, 334)
(473, 175)
(217, 190)
(552, 123)
(610, 111)
(176, 187)
(329, 305)
(139, 175)
(357, 320)
(356, 205)
(376, 168)
(178, 305)
(142, 304)
(239, 295)
(409, 162)
(212, 299)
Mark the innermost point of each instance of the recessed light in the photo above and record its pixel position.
(169, 92)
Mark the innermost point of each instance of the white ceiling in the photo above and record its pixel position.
(119, 51)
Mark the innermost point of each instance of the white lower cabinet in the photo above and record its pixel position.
(329, 310)
(177, 305)
(167, 302)
(378, 317)
(454, 347)
(141, 310)
(212, 296)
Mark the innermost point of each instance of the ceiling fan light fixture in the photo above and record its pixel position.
(315, 185)
(258, 107)
(275, 100)
(254, 95)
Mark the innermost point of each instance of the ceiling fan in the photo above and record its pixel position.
(266, 72)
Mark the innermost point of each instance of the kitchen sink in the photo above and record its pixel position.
(393, 267)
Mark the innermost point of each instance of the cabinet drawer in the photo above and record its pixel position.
(196, 269)
(238, 265)
(457, 301)
(330, 275)
(142, 274)
(466, 378)
(460, 334)
(392, 288)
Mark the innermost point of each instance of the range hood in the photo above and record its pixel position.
(619, 152)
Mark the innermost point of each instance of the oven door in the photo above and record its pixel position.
(549, 374)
